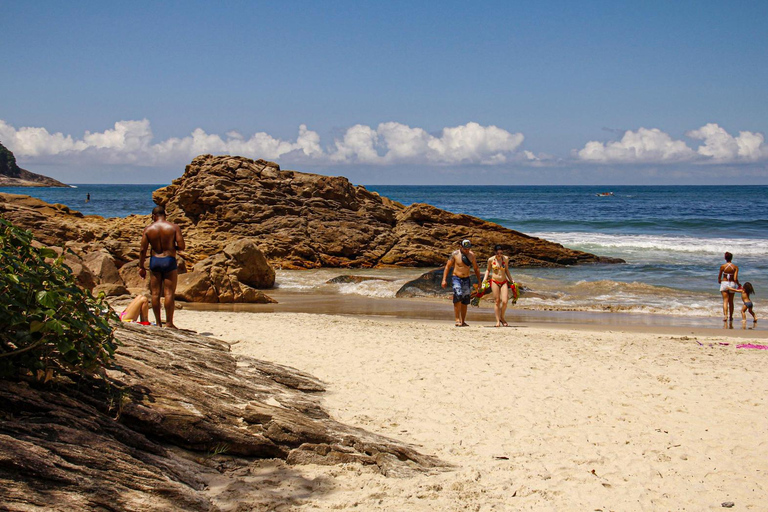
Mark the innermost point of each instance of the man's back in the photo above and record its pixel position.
(164, 238)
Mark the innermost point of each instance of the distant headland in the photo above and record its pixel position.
(11, 175)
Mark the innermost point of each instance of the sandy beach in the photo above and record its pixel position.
(537, 417)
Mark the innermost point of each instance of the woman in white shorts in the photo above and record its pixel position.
(729, 283)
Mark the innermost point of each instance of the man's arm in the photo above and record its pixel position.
(180, 245)
(477, 269)
(448, 265)
(143, 254)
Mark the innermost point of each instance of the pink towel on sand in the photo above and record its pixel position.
(751, 345)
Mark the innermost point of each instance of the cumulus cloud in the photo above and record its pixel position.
(131, 142)
(655, 146)
(644, 145)
(721, 146)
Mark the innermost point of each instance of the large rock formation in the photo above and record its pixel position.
(79, 445)
(11, 175)
(298, 220)
(307, 220)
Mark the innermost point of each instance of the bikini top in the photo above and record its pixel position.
(496, 265)
(728, 275)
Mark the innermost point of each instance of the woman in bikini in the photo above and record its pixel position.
(729, 283)
(498, 267)
(137, 310)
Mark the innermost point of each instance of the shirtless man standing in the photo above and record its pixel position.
(165, 239)
(461, 261)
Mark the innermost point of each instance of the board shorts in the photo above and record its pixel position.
(162, 265)
(462, 289)
(728, 286)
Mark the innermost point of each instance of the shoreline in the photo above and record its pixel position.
(439, 311)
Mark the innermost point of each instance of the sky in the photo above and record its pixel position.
(395, 92)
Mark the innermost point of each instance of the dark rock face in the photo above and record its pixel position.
(429, 284)
(77, 446)
(11, 175)
(354, 279)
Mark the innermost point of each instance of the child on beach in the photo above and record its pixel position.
(746, 292)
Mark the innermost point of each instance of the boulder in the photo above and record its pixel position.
(230, 276)
(249, 265)
(82, 273)
(354, 279)
(129, 273)
(110, 289)
(429, 284)
(103, 267)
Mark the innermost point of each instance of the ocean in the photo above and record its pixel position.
(672, 238)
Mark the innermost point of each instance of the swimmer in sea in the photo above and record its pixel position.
(165, 239)
(498, 267)
(461, 261)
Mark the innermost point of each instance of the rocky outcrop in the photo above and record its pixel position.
(230, 276)
(11, 175)
(81, 445)
(297, 220)
(306, 220)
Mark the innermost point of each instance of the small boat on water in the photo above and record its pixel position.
(604, 194)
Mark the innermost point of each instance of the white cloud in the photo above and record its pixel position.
(656, 146)
(642, 146)
(720, 146)
(393, 143)
(131, 142)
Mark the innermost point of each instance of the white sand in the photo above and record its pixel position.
(585, 420)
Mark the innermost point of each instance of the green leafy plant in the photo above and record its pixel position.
(48, 324)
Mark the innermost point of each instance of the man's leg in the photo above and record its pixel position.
(169, 287)
(463, 314)
(155, 282)
(457, 312)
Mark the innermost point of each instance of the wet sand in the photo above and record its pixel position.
(440, 311)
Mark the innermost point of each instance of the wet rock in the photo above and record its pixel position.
(354, 279)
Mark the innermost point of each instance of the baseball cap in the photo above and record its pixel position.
(466, 244)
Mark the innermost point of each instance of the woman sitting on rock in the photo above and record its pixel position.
(137, 310)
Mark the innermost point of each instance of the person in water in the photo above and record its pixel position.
(746, 297)
(461, 261)
(729, 282)
(498, 268)
(165, 239)
(137, 310)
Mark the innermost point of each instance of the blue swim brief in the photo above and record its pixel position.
(162, 265)
(462, 289)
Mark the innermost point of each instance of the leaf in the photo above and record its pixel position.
(36, 325)
(45, 299)
(45, 252)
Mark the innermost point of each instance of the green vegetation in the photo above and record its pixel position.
(48, 324)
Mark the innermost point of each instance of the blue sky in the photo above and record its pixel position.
(390, 92)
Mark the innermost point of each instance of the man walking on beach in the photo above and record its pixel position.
(165, 239)
(461, 261)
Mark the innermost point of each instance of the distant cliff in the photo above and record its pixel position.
(11, 175)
